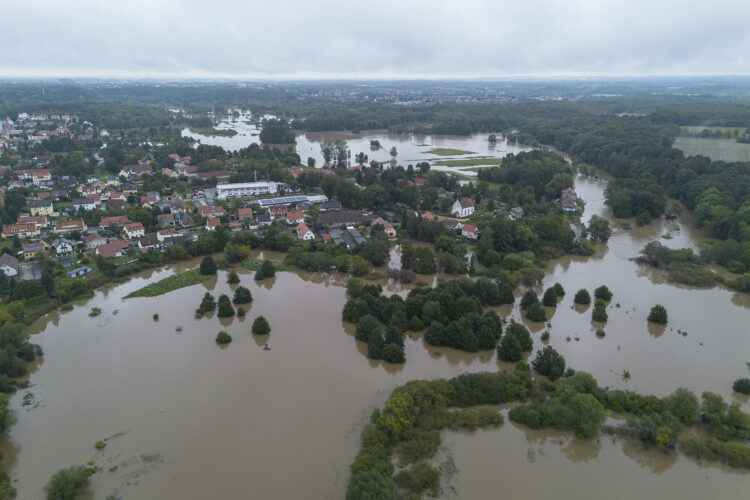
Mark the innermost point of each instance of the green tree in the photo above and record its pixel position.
(599, 229)
(223, 338)
(549, 298)
(393, 353)
(261, 326)
(266, 270)
(600, 311)
(208, 304)
(66, 484)
(375, 345)
(658, 315)
(225, 309)
(683, 405)
(536, 312)
(603, 293)
(559, 290)
(233, 278)
(530, 297)
(742, 385)
(516, 341)
(582, 297)
(208, 266)
(550, 363)
(242, 296)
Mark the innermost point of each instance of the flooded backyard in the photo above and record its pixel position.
(184, 418)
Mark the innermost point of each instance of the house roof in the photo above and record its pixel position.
(345, 217)
(295, 215)
(466, 202)
(302, 229)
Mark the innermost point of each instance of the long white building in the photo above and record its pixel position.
(224, 191)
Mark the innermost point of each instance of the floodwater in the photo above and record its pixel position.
(411, 148)
(185, 418)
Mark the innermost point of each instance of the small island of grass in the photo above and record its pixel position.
(470, 162)
(171, 283)
(448, 152)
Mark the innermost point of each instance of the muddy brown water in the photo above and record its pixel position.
(184, 418)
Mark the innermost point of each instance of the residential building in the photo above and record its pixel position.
(31, 250)
(40, 207)
(343, 217)
(68, 226)
(63, 246)
(387, 227)
(470, 231)
(39, 221)
(244, 214)
(134, 230)
(8, 265)
(20, 230)
(211, 211)
(135, 170)
(212, 223)
(224, 191)
(295, 217)
(517, 213)
(304, 232)
(115, 220)
(94, 240)
(84, 204)
(569, 200)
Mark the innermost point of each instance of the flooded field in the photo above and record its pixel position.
(185, 418)
(411, 148)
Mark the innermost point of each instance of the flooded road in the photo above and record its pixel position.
(185, 418)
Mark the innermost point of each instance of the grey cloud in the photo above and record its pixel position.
(386, 38)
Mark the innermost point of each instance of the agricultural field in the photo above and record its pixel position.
(716, 149)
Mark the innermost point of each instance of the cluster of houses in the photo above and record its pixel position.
(36, 127)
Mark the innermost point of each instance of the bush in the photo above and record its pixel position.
(658, 315)
(225, 309)
(742, 385)
(603, 293)
(559, 290)
(683, 405)
(223, 338)
(549, 363)
(549, 298)
(530, 297)
(208, 266)
(536, 312)
(266, 270)
(233, 278)
(240, 312)
(242, 296)
(582, 297)
(261, 326)
(516, 341)
(66, 484)
(415, 324)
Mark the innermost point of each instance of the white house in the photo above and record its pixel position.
(84, 203)
(304, 232)
(463, 207)
(63, 246)
(8, 265)
(134, 230)
(224, 191)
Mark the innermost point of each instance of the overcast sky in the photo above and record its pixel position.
(373, 39)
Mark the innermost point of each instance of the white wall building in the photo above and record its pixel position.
(224, 191)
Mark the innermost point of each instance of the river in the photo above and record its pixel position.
(185, 418)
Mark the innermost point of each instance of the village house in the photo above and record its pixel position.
(165, 220)
(183, 219)
(295, 217)
(8, 265)
(94, 240)
(263, 220)
(164, 234)
(31, 250)
(63, 246)
(516, 213)
(129, 171)
(387, 227)
(569, 200)
(134, 230)
(212, 223)
(40, 207)
(345, 217)
(21, 230)
(463, 207)
(244, 214)
(115, 220)
(84, 204)
(470, 231)
(277, 211)
(211, 211)
(147, 243)
(113, 249)
(330, 206)
(68, 226)
(304, 232)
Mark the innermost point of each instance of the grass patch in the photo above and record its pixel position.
(470, 162)
(213, 132)
(278, 265)
(448, 152)
(716, 149)
(174, 282)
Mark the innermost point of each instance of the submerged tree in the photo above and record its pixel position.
(261, 326)
(225, 309)
(242, 296)
(658, 315)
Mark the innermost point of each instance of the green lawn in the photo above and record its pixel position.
(174, 282)
(254, 264)
(716, 149)
(470, 162)
(696, 129)
(448, 152)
